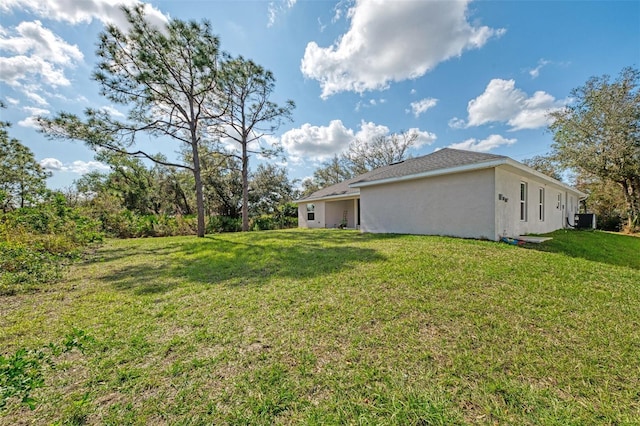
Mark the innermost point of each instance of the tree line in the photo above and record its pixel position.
(178, 85)
(153, 193)
(135, 190)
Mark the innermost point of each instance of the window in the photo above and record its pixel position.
(559, 204)
(541, 203)
(311, 215)
(523, 201)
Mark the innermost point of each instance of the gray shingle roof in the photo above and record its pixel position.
(342, 188)
(443, 159)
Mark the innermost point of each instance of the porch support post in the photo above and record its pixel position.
(355, 213)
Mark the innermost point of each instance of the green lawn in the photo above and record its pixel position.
(338, 327)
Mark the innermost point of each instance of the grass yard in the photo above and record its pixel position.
(338, 327)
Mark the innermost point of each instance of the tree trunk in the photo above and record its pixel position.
(187, 208)
(199, 195)
(245, 188)
(634, 217)
(22, 191)
(632, 198)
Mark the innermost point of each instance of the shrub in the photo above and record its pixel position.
(218, 224)
(186, 225)
(609, 222)
(275, 221)
(262, 223)
(26, 267)
(36, 242)
(118, 222)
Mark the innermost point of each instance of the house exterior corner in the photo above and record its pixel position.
(527, 203)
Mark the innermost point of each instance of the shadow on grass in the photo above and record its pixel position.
(596, 246)
(116, 253)
(273, 254)
(241, 259)
(141, 279)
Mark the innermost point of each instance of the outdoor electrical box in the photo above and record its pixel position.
(585, 221)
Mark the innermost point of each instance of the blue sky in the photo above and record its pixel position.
(478, 75)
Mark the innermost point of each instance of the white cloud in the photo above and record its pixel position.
(535, 72)
(83, 167)
(12, 101)
(37, 98)
(42, 57)
(78, 166)
(421, 106)
(84, 11)
(385, 44)
(340, 9)
(369, 131)
(38, 54)
(499, 102)
(319, 143)
(34, 40)
(31, 120)
(51, 164)
(16, 69)
(424, 137)
(370, 104)
(277, 7)
(503, 102)
(112, 111)
(535, 111)
(457, 123)
(485, 145)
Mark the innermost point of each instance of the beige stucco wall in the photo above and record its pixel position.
(460, 205)
(507, 214)
(318, 221)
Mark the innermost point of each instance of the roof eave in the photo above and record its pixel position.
(328, 198)
(540, 175)
(468, 168)
(430, 173)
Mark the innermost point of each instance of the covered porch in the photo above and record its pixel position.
(343, 213)
(337, 213)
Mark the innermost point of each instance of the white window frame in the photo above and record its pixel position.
(523, 201)
(311, 211)
(541, 204)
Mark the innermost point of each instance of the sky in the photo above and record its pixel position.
(476, 75)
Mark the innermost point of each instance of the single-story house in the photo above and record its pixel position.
(448, 192)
